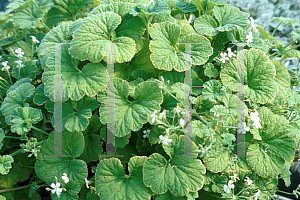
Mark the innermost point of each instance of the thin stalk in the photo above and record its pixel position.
(9, 77)
(19, 188)
(274, 54)
(276, 29)
(12, 137)
(284, 192)
(16, 152)
(37, 129)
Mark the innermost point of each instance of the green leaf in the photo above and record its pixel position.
(88, 44)
(2, 136)
(47, 167)
(294, 130)
(125, 28)
(213, 90)
(260, 86)
(170, 57)
(179, 89)
(285, 20)
(295, 35)
(169, 196)
(282, 78)
(112, 182)
(28, 71)
(10, 179)
(226, 18)
(59, 34)
(23, 118)
(75, 117)
(280, 148)
(15, 99)
(181, 175)
(33, 188)
(131, 115)
(5, 164)
(93, 148)
(76, 82)
(286, 174)
(31, 14)
(211, 71)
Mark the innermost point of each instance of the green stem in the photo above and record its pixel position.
(284, 192)
(276, 29)
(19, 188)
(20, 165)
(274, 54)
(43, 22)
(37, 129)
(9, 77)
(16, 152)
(12, 137)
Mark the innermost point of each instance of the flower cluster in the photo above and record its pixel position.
(255, 118)
(249, 37)
(19, 52)
(5, 66)
(164, 140)
(146, 133)
(223, 55)
(30, 146)
(242, 128)
(251, 22)
(34, 40)
(20, 65)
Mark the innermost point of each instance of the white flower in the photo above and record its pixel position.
(181, 122)
(19, 52)
(164, 140)
(56, 188)
(154, 117)
(216, 115)
(5, 66)
(230, 53)
(256, 195)
(235, 177)
(163, 114)
(254, 116)
(146, 133)
(248, 180)
(176, 109)
(86, 182)
(19, 62)
(226, 189)
(65, 178)
(251, 22)
(240, 128)
(249, 38)
(35, 61)
(257, 124)
(34, 39)
(224, 58)
(230, 184)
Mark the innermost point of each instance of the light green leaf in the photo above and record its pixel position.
(260, 73)
(31, 14)
(48, 167)
(294, 130)
(295, 35)
(76, 82)
(112, 183)
(131, 115)
(285, 20)
(181, 175)
(88, 44)
(171, 56)
(75, 117)
(282, 78)
(5, 164)
(125, 28)
(28, 71)
(211, 71)
(179, 89)
(226, 18)
(23, 118)
(59, 34)
(213, 90)
(169, 196)
(15, 99)
(286, 174)
(255, 132)
(270, 154)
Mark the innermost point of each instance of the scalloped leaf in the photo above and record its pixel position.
(131, 115)
(181, 175)
(47, 167)
(5, 164)
(270, 154)
(76, 83)
(112, 183)
(171, 56)
(23, 118)
(91, 38)
(260, 86)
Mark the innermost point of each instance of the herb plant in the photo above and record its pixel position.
(150, 113)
